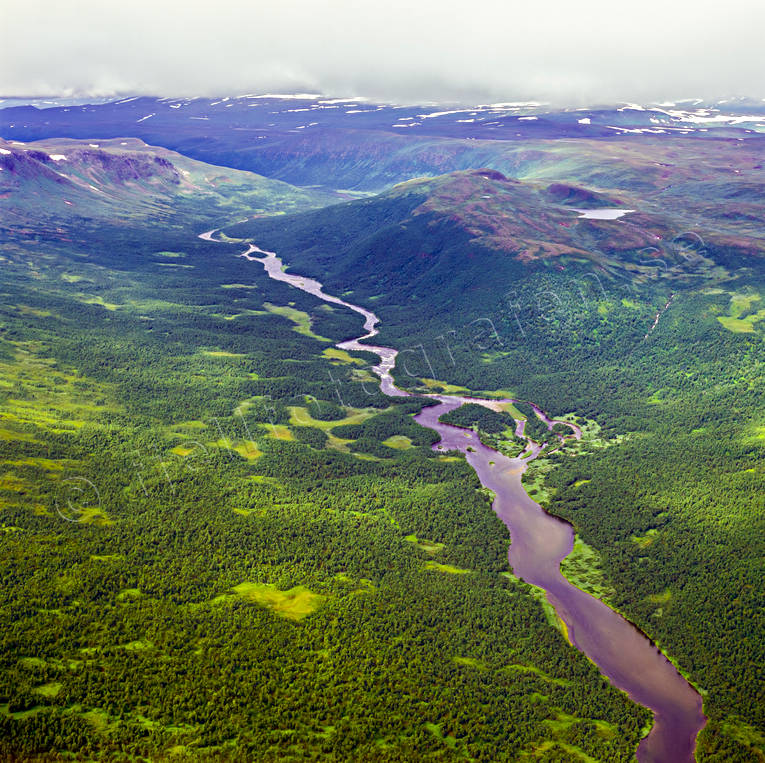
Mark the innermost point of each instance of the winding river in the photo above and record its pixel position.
(539, 541)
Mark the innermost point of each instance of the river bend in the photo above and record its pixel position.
(539, 541)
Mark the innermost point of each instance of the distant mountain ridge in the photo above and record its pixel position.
(356, 143)
(63, 178)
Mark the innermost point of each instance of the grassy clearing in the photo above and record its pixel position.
(294, 604)
(490, 357)
(341, 356)
(49, 690)
(362, 585)
(583, 568)
(741, 319)
(262, 479)
(561, 723)
(606, 729)
(645, 540)
(138, 646)
(47, 464)
(101, 721)
(661, 598)
(501, 393)
(518, 668)
(8, 435)
(245, 448)
(533, 481)
(741, 325)
(450, 569)
(223, 354)
(300, 416)
(32, 662)
(399, 442)
(362, 456)
(42, 395)
(149, 305)
(27, 493)
(93, 515)
(449, 740)
(363, 375)
(513, 411)
(591, 436)
(428, 546)
(129, 593)
(755, 433)
(20, 715)
(470, 662)
(37, 313)
(100, 301)
(433, 385)
(740, 304)
(193, 425)
(27, 412)
(300, 318)
(10, 483)
(278, 432)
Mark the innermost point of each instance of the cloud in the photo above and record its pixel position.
(584, 51)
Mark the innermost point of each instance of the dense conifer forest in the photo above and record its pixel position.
(219, 544)
(221, 541)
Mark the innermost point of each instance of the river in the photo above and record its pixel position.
(539, 541)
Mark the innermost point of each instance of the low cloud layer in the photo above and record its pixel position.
(566, 52)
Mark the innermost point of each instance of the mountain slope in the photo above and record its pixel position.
(471, 236)
(61, 179)
(648, 332)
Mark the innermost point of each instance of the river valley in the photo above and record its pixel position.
(539, 541)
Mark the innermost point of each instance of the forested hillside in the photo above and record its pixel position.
(219, 545)
(221, 541)
(657, 351)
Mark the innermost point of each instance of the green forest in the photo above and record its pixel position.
(669, 482)
(667, 487)
(221, 542)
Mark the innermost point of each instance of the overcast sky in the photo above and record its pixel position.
(579, 51)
